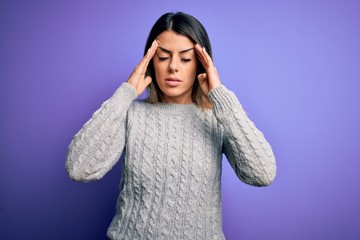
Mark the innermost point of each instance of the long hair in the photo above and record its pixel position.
(188, 26)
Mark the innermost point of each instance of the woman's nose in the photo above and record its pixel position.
(173, 66)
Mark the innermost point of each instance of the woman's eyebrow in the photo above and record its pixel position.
(168, 51)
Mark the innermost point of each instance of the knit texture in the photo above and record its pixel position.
(170, 185)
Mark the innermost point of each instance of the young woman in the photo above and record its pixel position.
(173, 141)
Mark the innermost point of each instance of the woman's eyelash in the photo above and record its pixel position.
(186, 59)
(182, 59)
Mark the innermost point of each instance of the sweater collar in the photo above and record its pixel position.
(174, 108)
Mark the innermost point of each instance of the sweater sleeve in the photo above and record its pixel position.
(98, 145)
(245, 147)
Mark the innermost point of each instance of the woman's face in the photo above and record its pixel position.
(175, 64)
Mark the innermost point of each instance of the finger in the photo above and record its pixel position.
(208, 59)
(147, 80)
(204, 57)
(202, 77)
(148, 56)
(200, 54)
(151, 51)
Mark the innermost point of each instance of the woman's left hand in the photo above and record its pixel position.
(209, 80)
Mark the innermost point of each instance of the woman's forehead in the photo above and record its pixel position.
(169, 41)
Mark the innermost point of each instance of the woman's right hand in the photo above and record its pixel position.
(137, 78)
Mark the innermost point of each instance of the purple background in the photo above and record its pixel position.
(294, 65)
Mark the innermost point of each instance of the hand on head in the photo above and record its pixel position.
(210, 79)
(137, 78)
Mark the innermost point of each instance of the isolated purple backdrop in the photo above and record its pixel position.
(294, 66)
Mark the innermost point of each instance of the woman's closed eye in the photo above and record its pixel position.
(186, 59)
(182, 59)
(163, 58)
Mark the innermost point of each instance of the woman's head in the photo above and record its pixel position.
(175, 59)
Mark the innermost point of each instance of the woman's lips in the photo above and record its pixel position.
(172, 82)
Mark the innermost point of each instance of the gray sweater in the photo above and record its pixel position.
(170, 185)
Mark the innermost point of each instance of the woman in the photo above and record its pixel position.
(173, 140)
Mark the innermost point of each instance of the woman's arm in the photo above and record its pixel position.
(96, 148)
(244, 145)
(248, 152)
(98, 145)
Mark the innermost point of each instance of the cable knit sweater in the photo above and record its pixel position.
(170, 185)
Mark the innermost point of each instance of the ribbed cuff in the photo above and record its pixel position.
(127, 91)
(123, 96)
(223, 99)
